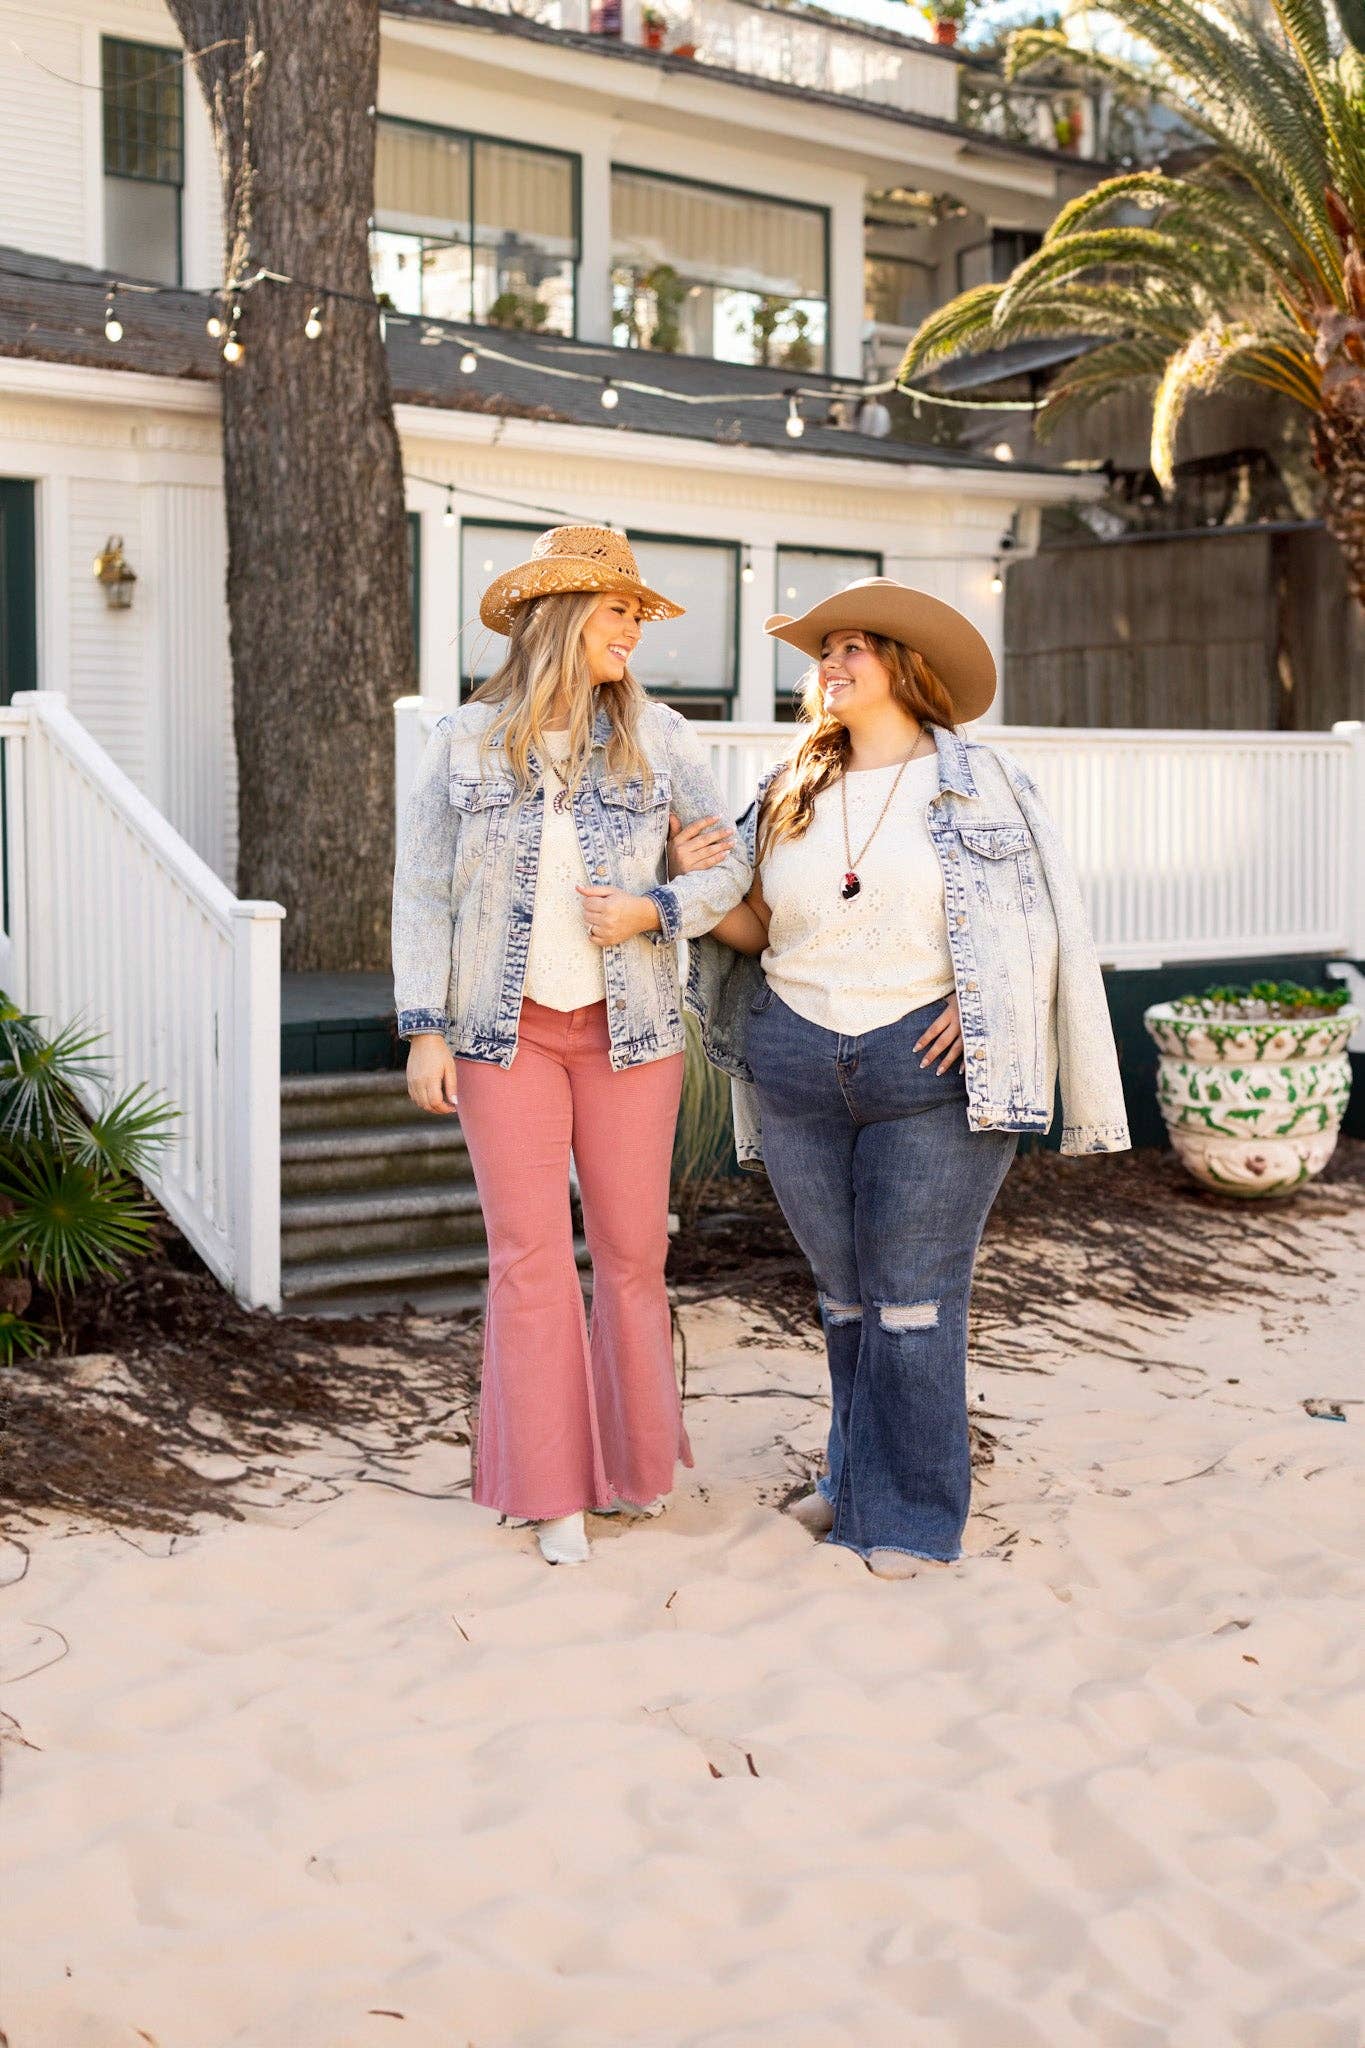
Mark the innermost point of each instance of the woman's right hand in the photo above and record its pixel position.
(431, 1074)
(704, 844)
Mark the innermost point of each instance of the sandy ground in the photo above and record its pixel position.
(367, 1774)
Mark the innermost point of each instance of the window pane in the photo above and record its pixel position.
(676, 657)
(421, 182)
(896, 293)
(697, 272)
(804, 576)
(526, 244)
(143, 111)
(142, 230)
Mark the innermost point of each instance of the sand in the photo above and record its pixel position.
(364, 1773)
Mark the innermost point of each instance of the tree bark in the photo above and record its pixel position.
(1339, 451)
(318, 584)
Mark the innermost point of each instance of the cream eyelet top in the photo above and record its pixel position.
(856, 966)
(563, 967)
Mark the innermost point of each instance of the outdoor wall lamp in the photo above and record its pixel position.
(114, 575)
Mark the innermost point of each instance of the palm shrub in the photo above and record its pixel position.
(1248, 267)
(701, 1148)
(71, 1205)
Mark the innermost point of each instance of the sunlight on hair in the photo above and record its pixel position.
(545, 653)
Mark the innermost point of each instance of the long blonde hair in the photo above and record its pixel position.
(545, 656)
(822, 756)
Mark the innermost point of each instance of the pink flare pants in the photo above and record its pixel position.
(567, 1421)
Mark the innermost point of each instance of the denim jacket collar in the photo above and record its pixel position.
(954, 766)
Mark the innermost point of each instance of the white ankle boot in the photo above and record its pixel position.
(564, 1541)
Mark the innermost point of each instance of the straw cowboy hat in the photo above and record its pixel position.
(572, 558)
(949, 643)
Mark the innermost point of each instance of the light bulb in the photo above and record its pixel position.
(796, 426)
(383, 326)
(469, 362)
(746, 574)
(214, 325)
(113, 328)
(312, 326)
(997, 583)
(791, 590)
(611, 397)
(448, 516)
(1003, 452)
(488, 568)
(232, 350)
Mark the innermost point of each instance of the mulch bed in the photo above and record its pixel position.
(200, 1381)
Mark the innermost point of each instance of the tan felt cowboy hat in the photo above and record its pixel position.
(572, 558)
(951, 645)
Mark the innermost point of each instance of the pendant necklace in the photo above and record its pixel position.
(852, 886)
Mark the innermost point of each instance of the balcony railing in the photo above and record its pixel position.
(816, 54)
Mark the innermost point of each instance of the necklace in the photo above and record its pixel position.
(852, 886)
(563, 795)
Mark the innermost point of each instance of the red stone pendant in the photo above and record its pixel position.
(851, 886)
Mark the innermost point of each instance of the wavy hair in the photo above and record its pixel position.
(822, 755)
(544, 657)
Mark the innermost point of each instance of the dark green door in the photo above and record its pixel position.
(18, 603)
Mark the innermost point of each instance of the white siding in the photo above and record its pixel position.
(45, 201)
(107, 650)
(192, 760)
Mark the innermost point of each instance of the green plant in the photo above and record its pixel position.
(70, 1203)
(702, 1147)
(1264, 999)
(1248, 266)
(652, 18)
(518, 310)
(946, 10)
(667, 291)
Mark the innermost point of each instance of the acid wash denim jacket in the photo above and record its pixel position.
(465, 885)
(1028, 978)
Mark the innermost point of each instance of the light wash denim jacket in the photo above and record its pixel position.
(1027, 975)
(465, 885)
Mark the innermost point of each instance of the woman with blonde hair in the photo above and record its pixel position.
(926, 971)
(535, 967)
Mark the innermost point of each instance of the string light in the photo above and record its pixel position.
(383, 326)
(611, 397)
(214, 324)
(233, 350)
(746, 574)
(796, 426)
(113, 326)
(998, 579)
(448, 516)
(312, 326)
(469, 362)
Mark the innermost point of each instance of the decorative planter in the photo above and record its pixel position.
(653, 35)
(683, 50)
(1252, 1104)
(945, 33)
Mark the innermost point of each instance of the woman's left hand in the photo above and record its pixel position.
(943, 1040)
(612, 916)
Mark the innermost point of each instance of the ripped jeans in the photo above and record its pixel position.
(887, 1192)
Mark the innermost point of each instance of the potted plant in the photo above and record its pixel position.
(1253, 1082)
(683, 50)
(946, 17)
(654, 26)
(1066, 129)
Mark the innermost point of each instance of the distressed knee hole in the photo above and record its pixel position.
(908, 1315)
(838, 1312)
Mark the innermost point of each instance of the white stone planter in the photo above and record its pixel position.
(1253, 1105)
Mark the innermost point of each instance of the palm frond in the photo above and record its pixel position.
(1105, 373)
(962, 327)
(1218, 352)
(66, 1222)
(39, 1077)
(1103, 249)
(124, 1137)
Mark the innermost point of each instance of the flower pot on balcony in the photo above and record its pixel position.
(604, 18)
(1252, 1101)
(652, 35)
(683, 50)
(945, 32)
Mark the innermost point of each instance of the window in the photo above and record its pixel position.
(415, 587)
(688, 662)
(897, 290)
(804, 576)
(992, 261)
(700, 271)
(144, 159)
(468, 229)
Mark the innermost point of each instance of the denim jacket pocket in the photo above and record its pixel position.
(637, 812)
(481, 792)
(1009, 878)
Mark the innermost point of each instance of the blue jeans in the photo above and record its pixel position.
(887, 1192)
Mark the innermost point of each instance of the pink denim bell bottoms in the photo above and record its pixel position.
(567, 1421)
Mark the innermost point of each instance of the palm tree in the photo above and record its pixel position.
(1250, 266)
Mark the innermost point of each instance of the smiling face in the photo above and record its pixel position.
(853, 677)
(611, 634)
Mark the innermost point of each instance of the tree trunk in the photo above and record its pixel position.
(318, 587)
(1339, 451)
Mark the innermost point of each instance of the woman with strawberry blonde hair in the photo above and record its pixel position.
(535, 964)
(926, 971)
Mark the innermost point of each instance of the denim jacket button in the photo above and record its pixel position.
(620, 1003)
(599, 874)
(961, 918)
(972, 987)
(979, 1053)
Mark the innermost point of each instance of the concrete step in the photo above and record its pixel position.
(379, 1155)
(376, 1280)
(320, 1101)
(319, 1226)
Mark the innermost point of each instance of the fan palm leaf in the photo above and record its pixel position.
(65, 1222)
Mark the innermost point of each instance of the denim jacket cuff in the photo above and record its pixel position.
(670, 916)
(1077, 1138)
(410, 1022)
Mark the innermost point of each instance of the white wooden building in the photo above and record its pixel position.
(790, 171)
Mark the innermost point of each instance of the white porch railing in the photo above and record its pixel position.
(1189, 845)
(112, 920)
